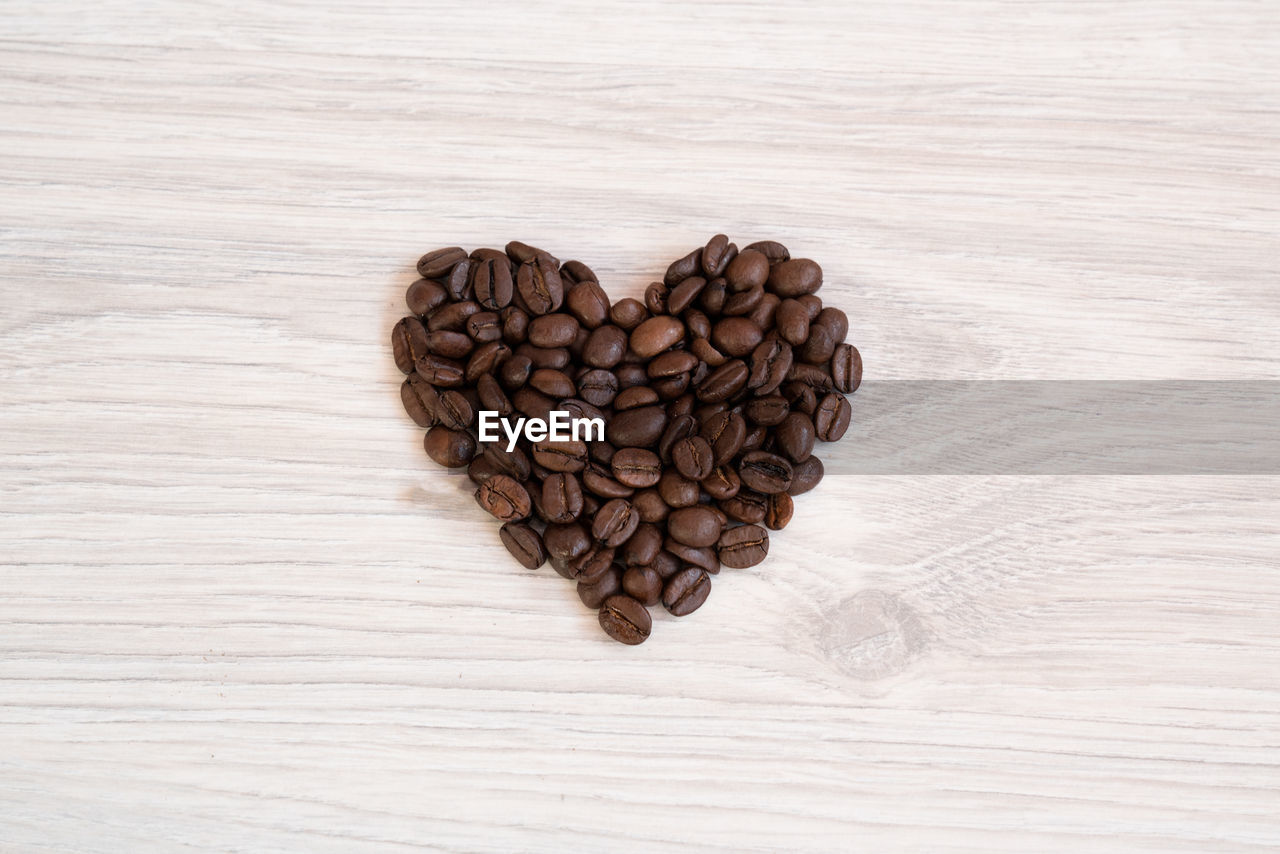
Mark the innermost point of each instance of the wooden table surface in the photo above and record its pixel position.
(240, 610)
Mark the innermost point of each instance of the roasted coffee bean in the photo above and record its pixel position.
(556, 358)
(672, 363)
(630, 375)
(628, 313)
(704, 557)
(588, 302)
(743, 546)
(643, 546)
(716, 255)
(598, 387)
(666, 564)
(452, 316)
(725, 432)
(425, 296)
(581, 409)
(835, 321)
(655, 335)
(615, 522)
(643, 584)
(637, 428)
(749, 269)
(683, 295)
(504, 499)
(655, 298)
(594, 592)
(781, 508)
(792, 322)
(408, 343)
(553, 330)
(683, 268)
(636, 467)
(812, 304)
(483, 327)
(564, 543)
(440, 371)
(515, 325)
(771, 249)
(693, 457)
(532, 403)
(444, 342)
(795, 437)
(770, 362)
(454, 410)
(635, 397)
(458, 281)
(764, 472)
(438, 262)
(767, 411)
(706, 351)
(605, 347)
(743, 304)
(539, 284)
(492, 397)
(694, 526)
(685, 591)
(450, 448)
(570, 456)
(491, 283)
(846, 368)
(561, 497)
(807, 476)
(713, 297)
(649, 504)
(553, 383)
(522, 253)
(795, 277)
(486, 359)
(524, 543)
(747, 506)
(679, 428)
(515, 371)
(677, 490)
(723, 482)
(599, 480)
(819, 347)
(576, 271)
(724, 382)
(514, 463)
(736, 336)
(420, 400)
(625, 620)
(832, 417)
(591, 564)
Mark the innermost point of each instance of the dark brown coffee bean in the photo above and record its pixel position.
(561, 497)
(598, 387)
(591, 564)
(722, 483)
(453, 345)
(678, 428)
(449, 448)
(781, 509)
(743, 304)
(643, 546)
(576, 271)
(649, 504)
(743, 546)
(670, 364)
(677, 490)
(795, 437)
(750, 269)
(812, 304)
(532, 403)
(694, 526)
(605, 347)
(454, 410)
(724, 382)
(438, 262)
(491, 283)
(556, 358)
(425, 296)
(795, 277)
(552, 383)
(452, 316)
(767, 411)
(713, 297)
(764, 472)
(615, 522)
(625, 620)
(637, 428)
(504, 499)
(771, 249)
(655, 298)
(801, 397)
(628, 313)
(655, 335)
(565, 543)
(832, 418)
(486, 359)
(770, 363)
(666, 564)
(685, 294)
(420, 399)
(735, 336)
(636, 467)
(715, 256)
(408, 343)
(522, 253)
(683, 268)
(811, 375)
(570, 456)
(685, 591)
(669, 388)
(725, 432)
(513, 463)
(807, 476)
(693, 457)
(524, 544)
(593, 593)
(819, 347)
(835, 321)
(553, 330)
(846, 368)
(643, 584)
(458, 281)
(599, 480)
(588, 302)
(515, 372)
(515, 325)
(704, 557)
(747, 506)
(630, 375)
(439, 371)
(635, 397)
(492, 397)
(483, 327)
(764, 314)
(538, 281)
(706, 351)
(581, 409)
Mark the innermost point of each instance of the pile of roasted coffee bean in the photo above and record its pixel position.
(713, 389)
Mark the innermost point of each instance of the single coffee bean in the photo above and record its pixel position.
(693, 457)
(492, 285)
(486, 359)
(450, 448)
(768, 411)
(747, 506)
(680, 427)
(605, 347)
(594, 592)
(570, 456)
(724, 382)
(599, 480)
(706, 351)
(835, 321)
(725, 432)
(722, 483)
(425, 296)
(539, 285)
(770, 363)
(702, 557)
(515, 325)
(552, 383)
(576, 271)
(764, 472)
(685, 591)
(492, 397)
(683, 268)
(561, 497)
(832, 418)
(795, 277)
(440, 371)
(819, 347)
(655, 335)
(637, 428)
(793, 322)
(420, 400)
(795, 436)
(628, 313)
(643, 546)
(438, 262)
(588, 302)
(743, 547)
(643, 584)
(771, 249)
(523, 253)
(514, 463)
(452, 316)
(515, 371)
(694, 526)
(634, 398)
(743, 304)
(716, 256)
(524, 544)
(807, 476)
(625, 620)
(801, 397)
(532, 403)
(553, 330)
(591, 564)
(485, 326)
(666, 564)
(615, 523)
(598, 387)
(671, 363)
(454, 410)
(444, 342)
(408, 343)
(457, 283)
(655, 298)
(636, 467)
(781, 509)
(504, 499)
(846, 368)
(564, 543)
(736, 336)
(649, 504)
(630, 375)
(556, 358)
(683, 295)
(812, 304)
(581, 409)
(713, 297)
(749, 269)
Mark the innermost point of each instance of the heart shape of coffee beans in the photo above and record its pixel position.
(712, 391)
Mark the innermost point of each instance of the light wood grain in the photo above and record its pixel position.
(240, 610)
